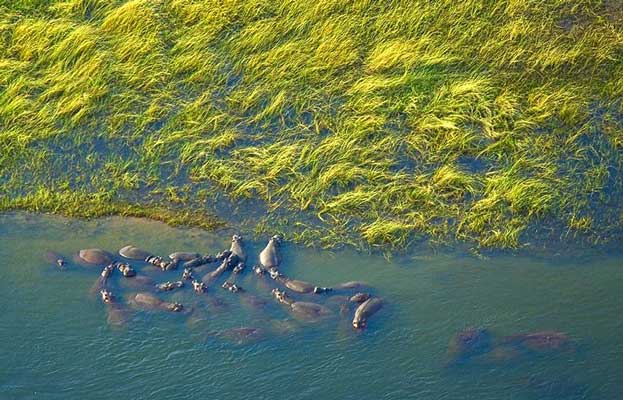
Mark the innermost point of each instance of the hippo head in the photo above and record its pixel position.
(175, 307)
(259, 270)
(236, 238)
(107, 271)
(187, 274)
(232, 287)
(276, 240)
(274, 273)
(238, 268)
(60, 262)
(199, 287)
(360, 324)
(107, 296)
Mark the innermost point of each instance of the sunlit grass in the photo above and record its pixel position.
(350, 122)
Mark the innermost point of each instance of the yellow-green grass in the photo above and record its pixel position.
(496, 122)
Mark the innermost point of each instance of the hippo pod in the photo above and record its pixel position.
(168, 286)
(160, 263)
(183, 256)
(269, 257)
(134, 253)
(149, 301)
(365, 311)
(94, 257)
(237, 248)
(55, 258)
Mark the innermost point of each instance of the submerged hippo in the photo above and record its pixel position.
(140, 282)
(134, 253)
(183, 256)
(309, 311)
(55, 258)
(269, 257)
(359, 297)
(168, 286)
(351, 285)
(539, 342)
(237, 249)
(149, 301)
(225, 265)
(365, 311)
(242, 335)
(468, 343)
(95, 256)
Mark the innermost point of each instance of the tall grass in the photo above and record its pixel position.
(346, 121)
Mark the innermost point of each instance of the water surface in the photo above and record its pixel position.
(55, 342)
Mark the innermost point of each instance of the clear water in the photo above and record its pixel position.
(55, 342)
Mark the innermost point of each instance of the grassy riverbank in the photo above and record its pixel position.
(378, 123)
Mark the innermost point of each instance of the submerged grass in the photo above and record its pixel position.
(371, 123)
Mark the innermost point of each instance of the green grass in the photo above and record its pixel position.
(371, 123)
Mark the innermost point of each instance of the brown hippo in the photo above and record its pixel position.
(149, 301)
(55, 258)
(296, 285)
(139, 282)
(183, 256)
(160, 263)
(282, 297)
(213, 275)
(269, 257)
(199, 261)
(133, 253)
(199, 287)
(187, 275)
(237, 248)
(94, 257)
(365, 311)
(468, 343)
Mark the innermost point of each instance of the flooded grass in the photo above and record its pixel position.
(375, 124)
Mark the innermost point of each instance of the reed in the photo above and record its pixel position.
(369, 123)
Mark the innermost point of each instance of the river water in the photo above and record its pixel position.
(56, 343)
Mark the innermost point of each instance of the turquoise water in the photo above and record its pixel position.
(55, 342)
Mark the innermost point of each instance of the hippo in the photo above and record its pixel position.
(232, 287)
(351, 285)
(468, 343)
(259, 270)
(199, 287)
(56, 259)
(107, 296)
(539, 342)
(139, 282)
(282, 297)
(160, 263)
(242, 335)
(359, 297)
(252, 300)
(168, 286)
(269, 257)
(187, 275)
(275, 274)
(365, 311)
(100, 283)
(199, 261)
(95, 256)
(237, 249)
(238, 268)
(133, 253)
(297, 286)
(147, 300)
(211, 276)
(309, 311)
(183, 256)
(126, 270)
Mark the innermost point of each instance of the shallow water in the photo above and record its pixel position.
(55, 342)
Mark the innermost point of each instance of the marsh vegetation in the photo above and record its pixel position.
(370, 123)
